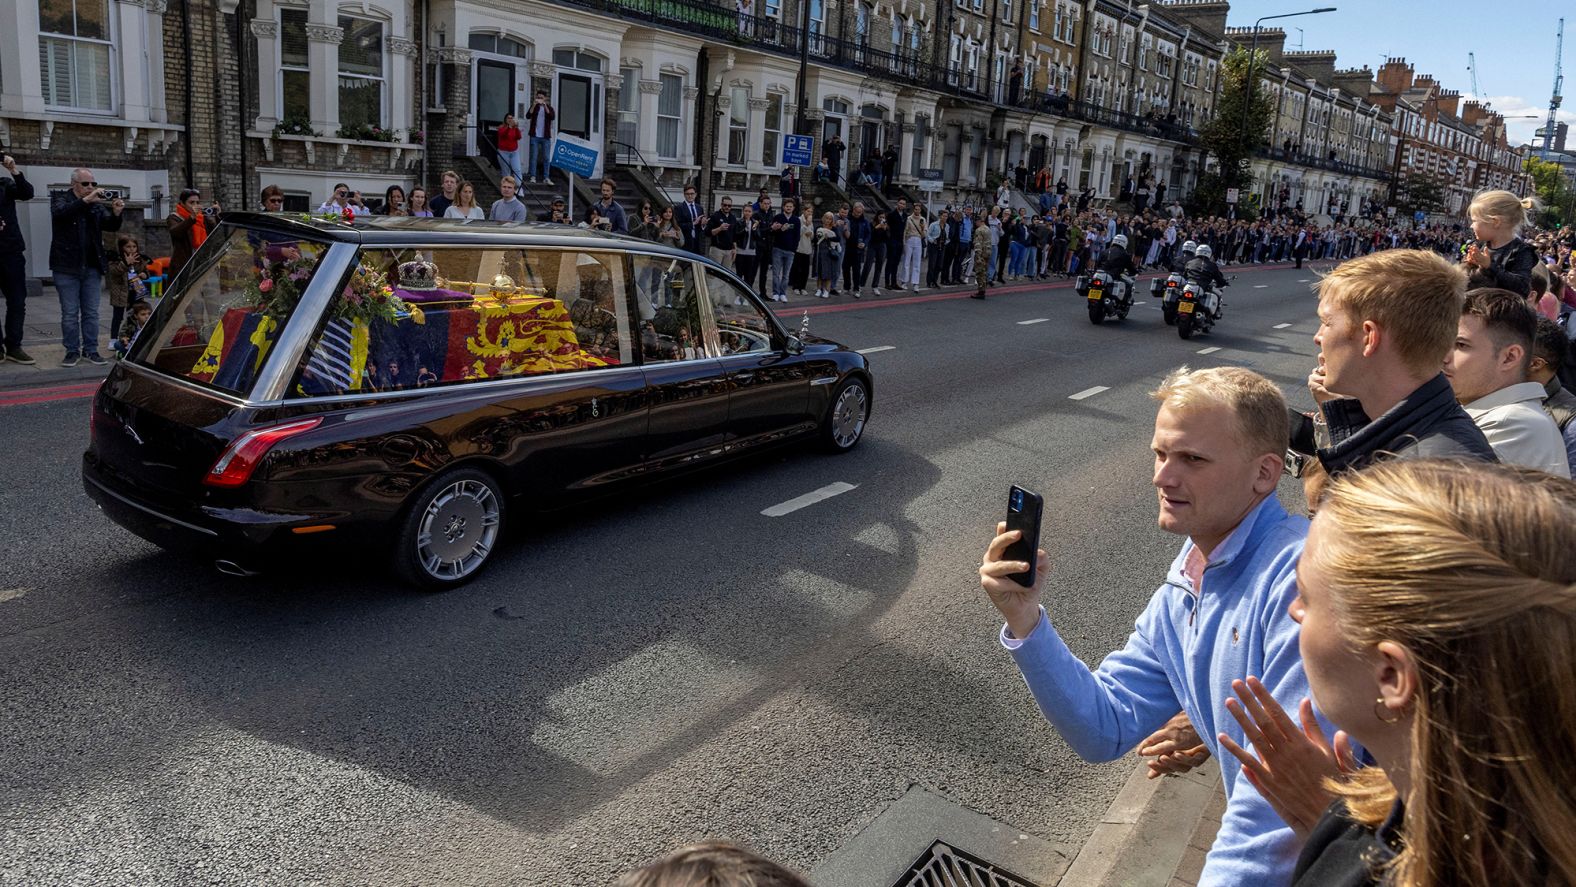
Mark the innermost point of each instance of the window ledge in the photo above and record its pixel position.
(160, 136)
(340, 146)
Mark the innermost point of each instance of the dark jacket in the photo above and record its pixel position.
(1179, 265)
(1116, 260)
(787, 237)
(1559, 403)
(12, 191)
(79, 227)
(859, 232)
(1510, 268)
(689, 224)
(1205, 271)
(1426, 423)
(1342, 853)
(181, 249)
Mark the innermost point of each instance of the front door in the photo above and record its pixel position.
(580, 106)
(494, 99)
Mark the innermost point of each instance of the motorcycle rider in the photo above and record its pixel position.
(1201, 269)
(1117, 262)
(1179, 264)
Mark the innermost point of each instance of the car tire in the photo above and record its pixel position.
(846, 416)
(450, 530)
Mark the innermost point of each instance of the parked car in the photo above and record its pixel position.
(412, 382)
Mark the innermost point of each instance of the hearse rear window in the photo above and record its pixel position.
(418, 318)
(217, 326)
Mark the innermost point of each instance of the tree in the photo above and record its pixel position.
(1554, 189)
(1237, 129)
(1420, 191)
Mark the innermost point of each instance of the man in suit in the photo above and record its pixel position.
(690, 219)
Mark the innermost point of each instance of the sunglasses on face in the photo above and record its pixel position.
(87, 184)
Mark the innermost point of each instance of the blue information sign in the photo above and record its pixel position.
(798, 150)
(577, 159)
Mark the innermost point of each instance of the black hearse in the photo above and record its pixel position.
(410, 381)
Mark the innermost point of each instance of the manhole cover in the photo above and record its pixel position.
(946, 866)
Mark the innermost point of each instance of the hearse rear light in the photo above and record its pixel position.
(245, 453)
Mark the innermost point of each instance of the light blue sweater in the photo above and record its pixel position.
(1182, 656)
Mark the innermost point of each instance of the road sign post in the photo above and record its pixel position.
(574, 156)
(798, 150)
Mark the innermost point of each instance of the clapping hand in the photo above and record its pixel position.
(1174, 749)
(9, 163)
(1292, 762)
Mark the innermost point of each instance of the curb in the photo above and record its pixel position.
(1145, 834)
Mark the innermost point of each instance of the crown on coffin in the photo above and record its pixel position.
(418, 274)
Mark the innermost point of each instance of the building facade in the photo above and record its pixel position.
(228, 95)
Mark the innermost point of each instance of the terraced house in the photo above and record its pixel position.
(227, 95)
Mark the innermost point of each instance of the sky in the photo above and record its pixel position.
(1513, 40)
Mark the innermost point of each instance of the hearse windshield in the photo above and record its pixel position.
(218, 326)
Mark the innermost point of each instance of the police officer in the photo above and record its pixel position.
(1203, 270)
(1117, 262)
(1179, 264)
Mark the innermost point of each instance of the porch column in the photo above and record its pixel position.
(323, 37)
(756, 161)
(402, 92)
(266, 30)
(647, 130)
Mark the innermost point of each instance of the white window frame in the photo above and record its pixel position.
(72, 41)
(1034, 15)
(676, 120)
(280, 111)
(739, 125)
(382, 78)
(771, 141)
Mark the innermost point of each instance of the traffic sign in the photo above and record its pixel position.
(1231, 195)
(931, 180)
(798, 150)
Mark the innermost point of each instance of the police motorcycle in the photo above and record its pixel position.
(1106, 295)
(1169, 289)
(1198, 306)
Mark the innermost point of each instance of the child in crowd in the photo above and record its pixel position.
(135, 320)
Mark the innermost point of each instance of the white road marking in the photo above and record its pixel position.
(1036, 320)
(11, 594)
(1261, 286)
(1281, 326)
(877, 348)
(1304, 279)
(809, 499)
(1210, 350)
(1089, 392)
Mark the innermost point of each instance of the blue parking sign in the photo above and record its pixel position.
(798, 150)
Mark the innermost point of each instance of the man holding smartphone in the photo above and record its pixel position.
(1220, 615)
(13, 268)
(79, 218)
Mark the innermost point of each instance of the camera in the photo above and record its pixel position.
(1015, 501)
(114, 193)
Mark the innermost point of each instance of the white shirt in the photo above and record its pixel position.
(1518, 429)
(454, 212)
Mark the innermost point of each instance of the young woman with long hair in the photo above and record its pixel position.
(799, 274)
(394, 202)
(1438, 608)
(464, 206)
(418, 203)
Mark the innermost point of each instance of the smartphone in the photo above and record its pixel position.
(1023, 513)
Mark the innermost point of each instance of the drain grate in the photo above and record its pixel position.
(946, 866)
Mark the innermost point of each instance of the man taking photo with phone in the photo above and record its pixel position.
(1220, 614)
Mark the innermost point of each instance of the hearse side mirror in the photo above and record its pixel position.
(795, 345)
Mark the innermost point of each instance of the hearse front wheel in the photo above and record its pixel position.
(450, 530)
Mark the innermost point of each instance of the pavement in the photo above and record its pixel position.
(666, 665)
(41, 338)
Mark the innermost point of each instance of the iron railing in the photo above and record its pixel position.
(1304, 159)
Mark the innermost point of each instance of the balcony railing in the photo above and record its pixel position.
(1305, 159)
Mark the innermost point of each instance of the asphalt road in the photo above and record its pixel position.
(653, 669)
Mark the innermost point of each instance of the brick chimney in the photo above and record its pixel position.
(1318, 64)
(1356, 81)
(1448, 100)
(1271, 40)
(1396, 76)
(1472, 112)
(1208, 17)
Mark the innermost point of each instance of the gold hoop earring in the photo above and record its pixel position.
(1379, 710)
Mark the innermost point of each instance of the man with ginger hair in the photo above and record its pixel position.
(1219, 443)
(1387, 321)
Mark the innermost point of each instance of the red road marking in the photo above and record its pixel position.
(47, 394)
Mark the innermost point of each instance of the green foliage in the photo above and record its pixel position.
(295, 125)
(1209, 197)
(1238, 128)
(1554, 188)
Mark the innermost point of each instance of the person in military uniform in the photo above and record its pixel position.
(982, 266)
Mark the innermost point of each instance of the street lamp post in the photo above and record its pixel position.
(1253, 47)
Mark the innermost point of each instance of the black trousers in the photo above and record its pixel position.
(894, 260)
(854, 267)
(747, 267)
(13, 285)
(935, 266)
(876, 264)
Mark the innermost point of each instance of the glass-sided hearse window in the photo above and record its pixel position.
(669, 306)
(218, 327)
(742, 326)
(424, 317)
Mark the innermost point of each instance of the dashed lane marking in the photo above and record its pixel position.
(1281, 326)
(1304, 279)
(1210, 350)
(809, 499)
(1036, 320)
(1261, 286)
(1089, 392)
(877, 348)
(11, 594)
